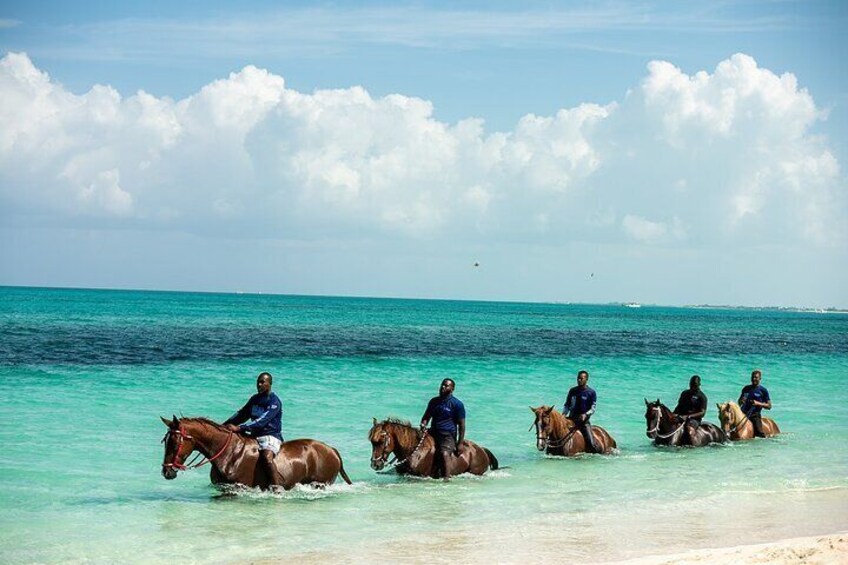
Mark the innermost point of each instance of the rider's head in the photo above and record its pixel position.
(263, 383)
(446, 387)
(756, 377)
(695, 382)
(582, 378)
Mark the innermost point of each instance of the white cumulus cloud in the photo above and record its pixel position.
(722, 156)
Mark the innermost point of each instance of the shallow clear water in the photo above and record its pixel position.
(85, 375)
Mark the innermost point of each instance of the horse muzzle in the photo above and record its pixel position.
(169, 473)
(541, 444)
(378, 464)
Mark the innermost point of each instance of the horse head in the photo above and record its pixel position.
(654, 412)
(543, 425)
(727, 415)
(178, 446)
(382, 444)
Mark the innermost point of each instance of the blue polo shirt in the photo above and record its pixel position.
(750, 393)
(580, 401)
(445, 412)
(266, 414)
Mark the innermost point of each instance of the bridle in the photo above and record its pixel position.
(733, 429)
(656, 428)
(383, 458)
(182, 436)
(548, 443)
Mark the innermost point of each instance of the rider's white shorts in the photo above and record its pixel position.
(269, 443)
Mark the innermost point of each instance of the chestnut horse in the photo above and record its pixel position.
(415, 451)
(736, 425)
(558, 435)
(664, 429)
(234, 457)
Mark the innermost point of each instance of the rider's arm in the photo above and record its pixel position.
(591, 409)
(461, 438)
(428, 413)
(767, 403)
(241, 416)
(743, 396)
(700, 413)
(569, 403)
(259, 423)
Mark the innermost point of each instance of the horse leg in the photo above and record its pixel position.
(266, 460)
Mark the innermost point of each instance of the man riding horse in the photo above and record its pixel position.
(579, 406)
(448, 415)
(691, 407)
(265, 410)
(753, 399)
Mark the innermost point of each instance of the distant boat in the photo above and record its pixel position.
(633, 305)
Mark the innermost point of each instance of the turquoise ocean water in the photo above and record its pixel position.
(85, 375)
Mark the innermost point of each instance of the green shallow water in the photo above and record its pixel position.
(84, 376)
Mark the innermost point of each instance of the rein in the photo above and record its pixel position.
(176, 464)
(740, 424)
(394, 462)
(560, 442)
(656, 428)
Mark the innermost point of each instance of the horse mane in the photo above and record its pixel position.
(206, 421)
(560, 425)
(397, 421)
(394, 422)
(735, 409)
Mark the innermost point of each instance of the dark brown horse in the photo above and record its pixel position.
(234, 457)
(415, 451)
(736, 425)
(664, 428)
(558, 435)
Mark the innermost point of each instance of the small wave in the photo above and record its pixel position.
(299, 492)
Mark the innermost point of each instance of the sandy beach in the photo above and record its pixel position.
(827, 549)
(812, 550)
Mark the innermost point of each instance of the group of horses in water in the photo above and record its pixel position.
(234, 458)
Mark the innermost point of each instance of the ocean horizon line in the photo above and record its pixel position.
(630, 303)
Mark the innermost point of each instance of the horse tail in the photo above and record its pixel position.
(493, 461)
(341, 468)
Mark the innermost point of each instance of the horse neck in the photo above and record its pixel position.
(738, 415)
(208, 439)
(666, 422)
(406, 439)
(559, 425)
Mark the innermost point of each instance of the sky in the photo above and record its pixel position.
(656, 152)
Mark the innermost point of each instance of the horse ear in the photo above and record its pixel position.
(375, 421)
(718, 405)
(549, 410)
(176, 421)
(658, 401)
(646, 402)
(166, 422)
(533, 410)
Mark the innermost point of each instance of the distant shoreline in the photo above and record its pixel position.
(248, 293)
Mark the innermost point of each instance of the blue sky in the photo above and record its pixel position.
(665, 152)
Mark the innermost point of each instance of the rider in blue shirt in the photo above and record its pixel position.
(448, 415)
(753, 399)
(579, 407)
(265, 412)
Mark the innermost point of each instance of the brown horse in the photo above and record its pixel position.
(662, 427)
(234, 457)
(415, 451)
(558, 435)
(736, 425)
